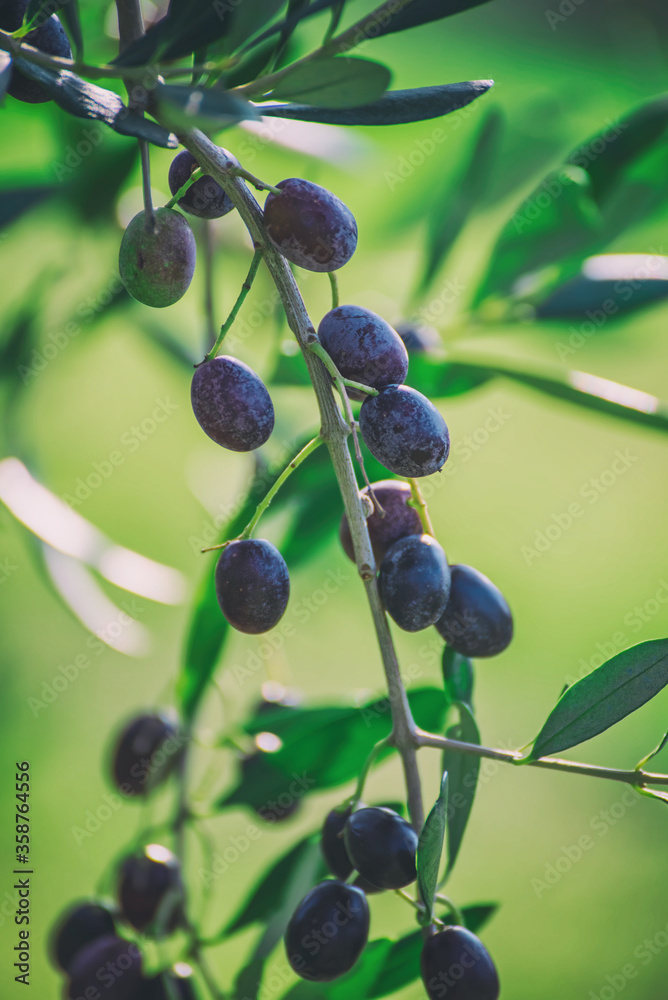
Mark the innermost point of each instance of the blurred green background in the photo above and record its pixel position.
(592, 592)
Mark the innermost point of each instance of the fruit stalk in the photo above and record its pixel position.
(334, 432)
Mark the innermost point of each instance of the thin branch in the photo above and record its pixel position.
(334, 432)
(634, 777)
(245, 289)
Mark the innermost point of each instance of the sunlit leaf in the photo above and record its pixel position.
(186, 107)
(604, 697)
(394, 108)
(340, 82)
(608, 286)
(430, 847)
(462, 778)
(457, 676)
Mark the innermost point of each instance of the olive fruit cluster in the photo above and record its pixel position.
(87, 947)
(88, 943)
(48, 36)
(418, 587)
(330, 927)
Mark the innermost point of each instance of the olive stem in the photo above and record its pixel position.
(307, 450)
(634, 777)
(195, 176)
(417, 906)
(334, 432)
(316, 348)
(255, 181)
(335, 288)
(209, 253)
(359, 789)
(419, 502)
(456, 913)
(245, 289)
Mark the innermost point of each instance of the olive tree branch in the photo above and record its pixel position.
(245, 289)
(334, 432)
(634, 777)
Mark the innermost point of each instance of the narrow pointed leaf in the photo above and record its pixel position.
(430, 847)
(462, 779)
(457, 677)
(340, 82)
(604, 697)
(609, 285)
(396, 107)
(184, 107)
(85, 100)
(423, 12)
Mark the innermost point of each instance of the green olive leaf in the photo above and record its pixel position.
(604, 697)
(463, 777)
(457, 677)
(396, 107)
(430, 847)
(339, 82)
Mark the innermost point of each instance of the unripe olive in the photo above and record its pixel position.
(157, 263)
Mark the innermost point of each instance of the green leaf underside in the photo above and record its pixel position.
(604, 697)
(85, 100)
(340, 82)
(183, 107)
(457, 678)
(430, 847)
(462, 778)
(396, 107)
(323, 747)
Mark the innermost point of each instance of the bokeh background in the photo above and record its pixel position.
(603, 585)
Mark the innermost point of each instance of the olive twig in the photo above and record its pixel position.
(419, 502)
(245, 289)
(333, 280)
(334, 432)
(359, 788)
(195, 176)
(418, 906)
(307, 450)
(446, 901)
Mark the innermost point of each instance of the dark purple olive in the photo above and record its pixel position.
(382, 847)
(80, 925)
(477, 620)
(252, 585)
(108, 968)
(396, 521)
(231, 404)
(328, 931)
(146, 752)
(414, 582)
(404, 431)
(150, 892)
(456, 965)
(363, 346)
(205, 198)
(310, 226)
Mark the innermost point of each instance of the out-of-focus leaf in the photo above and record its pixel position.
(249, 17)
(5, 72)
(394, 108)
(435, 377)
(452, 208)
(457, 676)
(657, 750)
(604, 697)
(313, 524)
(324, 747)
(268, 893)
(340, 82)
(185, 107)
(583, 389)
(463, 777)
(607, 155)
(430, 847)
(107, 168)
(421, 12)
(608, 286)
(85, 100)
(15, 202)
(296, 13)
(558, 219)
(301, 880)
